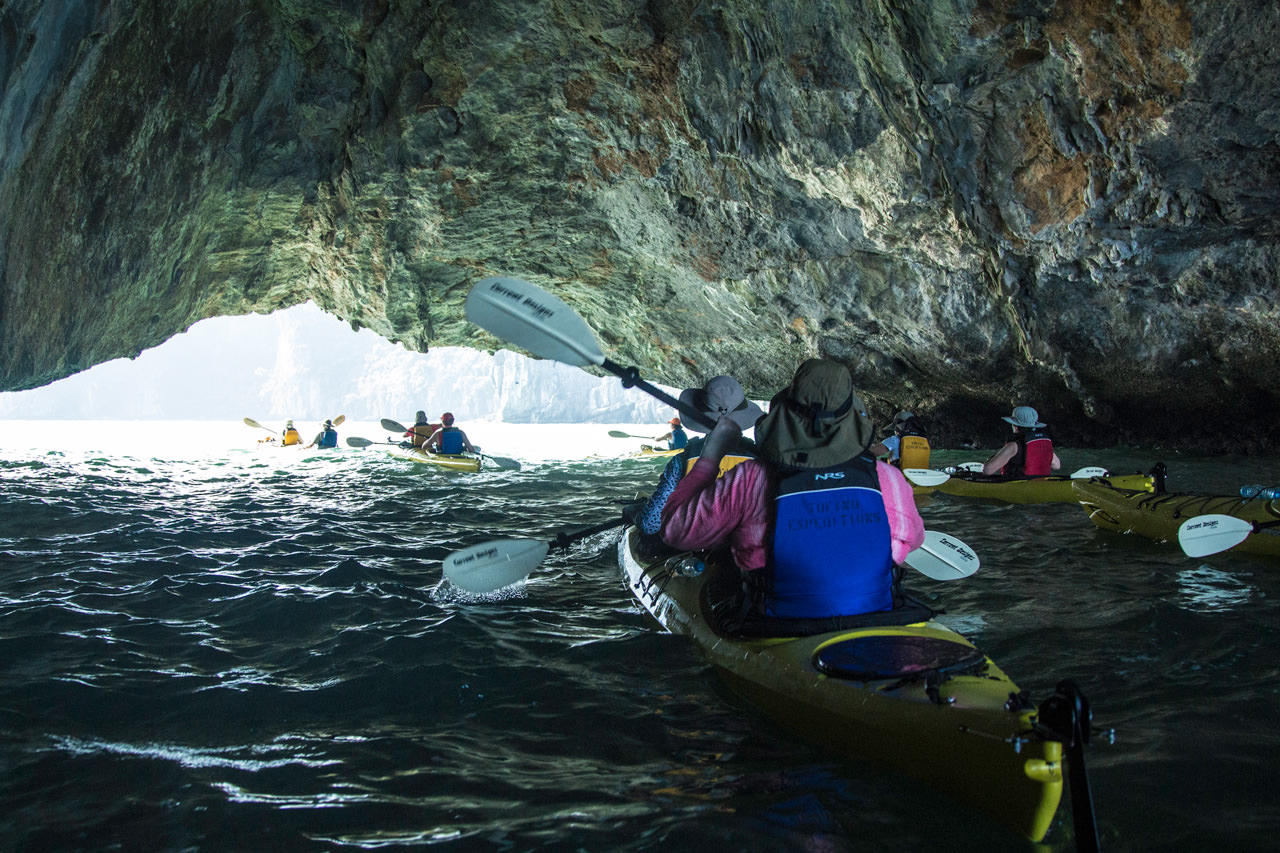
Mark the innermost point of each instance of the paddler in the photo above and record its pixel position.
(420, 431)
(449, 439)
(326, 438)
(908, 447)
(290, 435)
(676, 438)
(1031, 452)
(815, 525)
(721, 396)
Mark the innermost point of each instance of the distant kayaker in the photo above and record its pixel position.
(1030, 454)
(421, 430)
(720, 396)
(908, 447)
(449, 438)
(676, 438)
(290, 435)
(327, 437)
(815, 525)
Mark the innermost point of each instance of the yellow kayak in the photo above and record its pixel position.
(1031, 490)
(453, 462)
(963, 727)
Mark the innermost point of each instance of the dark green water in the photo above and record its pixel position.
(239, 654)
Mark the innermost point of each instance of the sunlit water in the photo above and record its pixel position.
(207, 645)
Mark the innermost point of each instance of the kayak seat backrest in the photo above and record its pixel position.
(884, 656)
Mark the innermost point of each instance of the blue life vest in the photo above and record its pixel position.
(451, 440)
(679, 439)
(832, 552)
(329, 439)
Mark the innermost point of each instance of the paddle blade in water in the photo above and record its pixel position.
(1208, 534)
(493, 565)
(518, 312)
(943, 558)
(925, 476)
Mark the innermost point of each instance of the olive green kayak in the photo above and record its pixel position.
(917, 697)
(1158, 516)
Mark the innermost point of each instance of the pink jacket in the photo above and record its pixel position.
(706, 512)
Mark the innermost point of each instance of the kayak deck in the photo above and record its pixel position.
(453, 462)
(1054, 489)
(1158, 516)
(969, 734)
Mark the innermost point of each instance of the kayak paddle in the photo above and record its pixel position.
(492, 565)
(251, 422)
(925, 476)
(617, 433)
(520, 313)
(1203, 535)
(357, 441)
(503, 462)
(943, 558)
(1086, 473)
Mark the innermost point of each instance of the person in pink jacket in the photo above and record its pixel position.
(817, 519)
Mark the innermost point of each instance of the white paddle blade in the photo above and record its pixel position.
(1208, 534)
(493, 565)
(518, 312)
(943, 558)
(925, 476)
(1086, 473)
(970, 466)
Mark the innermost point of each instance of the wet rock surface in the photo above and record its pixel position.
(973, 206)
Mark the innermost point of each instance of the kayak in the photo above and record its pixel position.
(453, 462)
(1159, 516)
(916, 697)
(1031, 490)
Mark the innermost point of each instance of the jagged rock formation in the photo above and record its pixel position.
(972, 204)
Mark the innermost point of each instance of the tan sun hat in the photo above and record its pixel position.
(721, 395)
(817, 421)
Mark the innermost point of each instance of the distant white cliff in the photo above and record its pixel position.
(303, 363)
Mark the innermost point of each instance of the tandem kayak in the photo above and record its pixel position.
(453, 462)
(1159, 516)
(917, 697)
(1031, 490)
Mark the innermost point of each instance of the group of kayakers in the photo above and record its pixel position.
(815, 513)
(327, 437)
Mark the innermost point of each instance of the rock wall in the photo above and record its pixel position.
(972, 204)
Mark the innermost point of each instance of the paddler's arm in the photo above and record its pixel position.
(1000, 458)
(905, 525)
(707, 511)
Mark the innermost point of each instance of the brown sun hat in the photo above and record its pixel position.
(817, 421)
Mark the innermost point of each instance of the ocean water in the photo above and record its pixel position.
(210, 645)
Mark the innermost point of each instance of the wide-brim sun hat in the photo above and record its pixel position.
(721, 396)
(1025, 417)
(817, 421)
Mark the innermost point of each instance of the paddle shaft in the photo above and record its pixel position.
(630, 377)
(564, 540)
